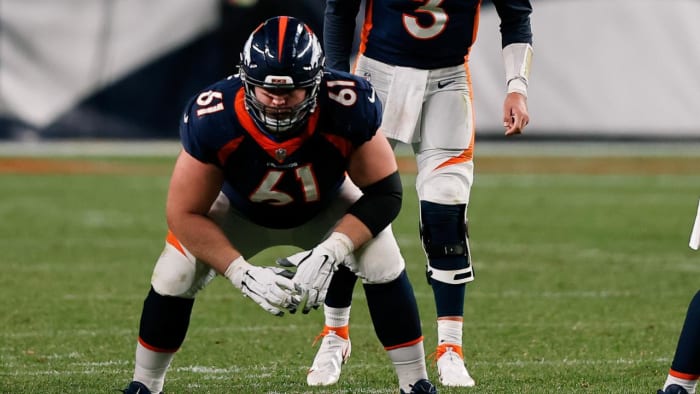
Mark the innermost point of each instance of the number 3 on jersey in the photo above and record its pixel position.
(433, 10)
(266, 192)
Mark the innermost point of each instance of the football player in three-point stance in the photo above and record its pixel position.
(284, 153)
(415, 54)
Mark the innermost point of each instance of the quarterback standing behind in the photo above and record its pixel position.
(415, 53)
(264, 163)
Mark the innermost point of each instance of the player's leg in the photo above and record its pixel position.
(177, 277)
(336, 309)
(393, 308)
(445, 176)
(335, 346)
(449, 269)
(685, 368)
(380, 264)
(166, 313)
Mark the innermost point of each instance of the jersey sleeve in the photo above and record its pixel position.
(371, 108)
(204, 127)
(339, 32)
(356, 108)
(189, 137)
(515, 21)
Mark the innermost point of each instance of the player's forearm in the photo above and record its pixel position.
(354, 229)
(204, 239)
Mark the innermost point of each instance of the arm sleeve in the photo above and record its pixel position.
(339, 32)
(380, 203)
(515, 21)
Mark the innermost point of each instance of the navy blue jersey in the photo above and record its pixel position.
(425, 34)
(281, 184)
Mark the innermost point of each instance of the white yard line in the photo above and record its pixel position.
(68, 333)
(259, 370)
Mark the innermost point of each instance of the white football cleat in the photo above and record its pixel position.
(451, 368)
(334, 352)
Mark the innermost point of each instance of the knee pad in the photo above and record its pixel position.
(443, 231)
(443, 184)
(178, 274)
(379, 260)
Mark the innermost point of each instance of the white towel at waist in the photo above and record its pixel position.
(403, 105)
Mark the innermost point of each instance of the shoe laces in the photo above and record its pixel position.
(445, 348)
(341, 332)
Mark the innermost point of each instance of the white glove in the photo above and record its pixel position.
(268, 286)
(315, 268)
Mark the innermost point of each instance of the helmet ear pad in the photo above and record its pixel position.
(281, 53)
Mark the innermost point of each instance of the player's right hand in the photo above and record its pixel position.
(515, 115)
(269, 287)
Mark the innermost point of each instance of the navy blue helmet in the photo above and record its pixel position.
(282, 53)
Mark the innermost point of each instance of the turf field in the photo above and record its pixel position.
(582, 265)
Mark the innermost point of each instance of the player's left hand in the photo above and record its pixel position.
(315, 267)
(269, 287)
(515, 115)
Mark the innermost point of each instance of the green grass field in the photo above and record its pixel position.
(582, 282)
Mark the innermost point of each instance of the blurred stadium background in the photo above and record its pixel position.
(579, 226)
(123, 69)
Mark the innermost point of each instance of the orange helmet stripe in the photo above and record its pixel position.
(281, 32)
